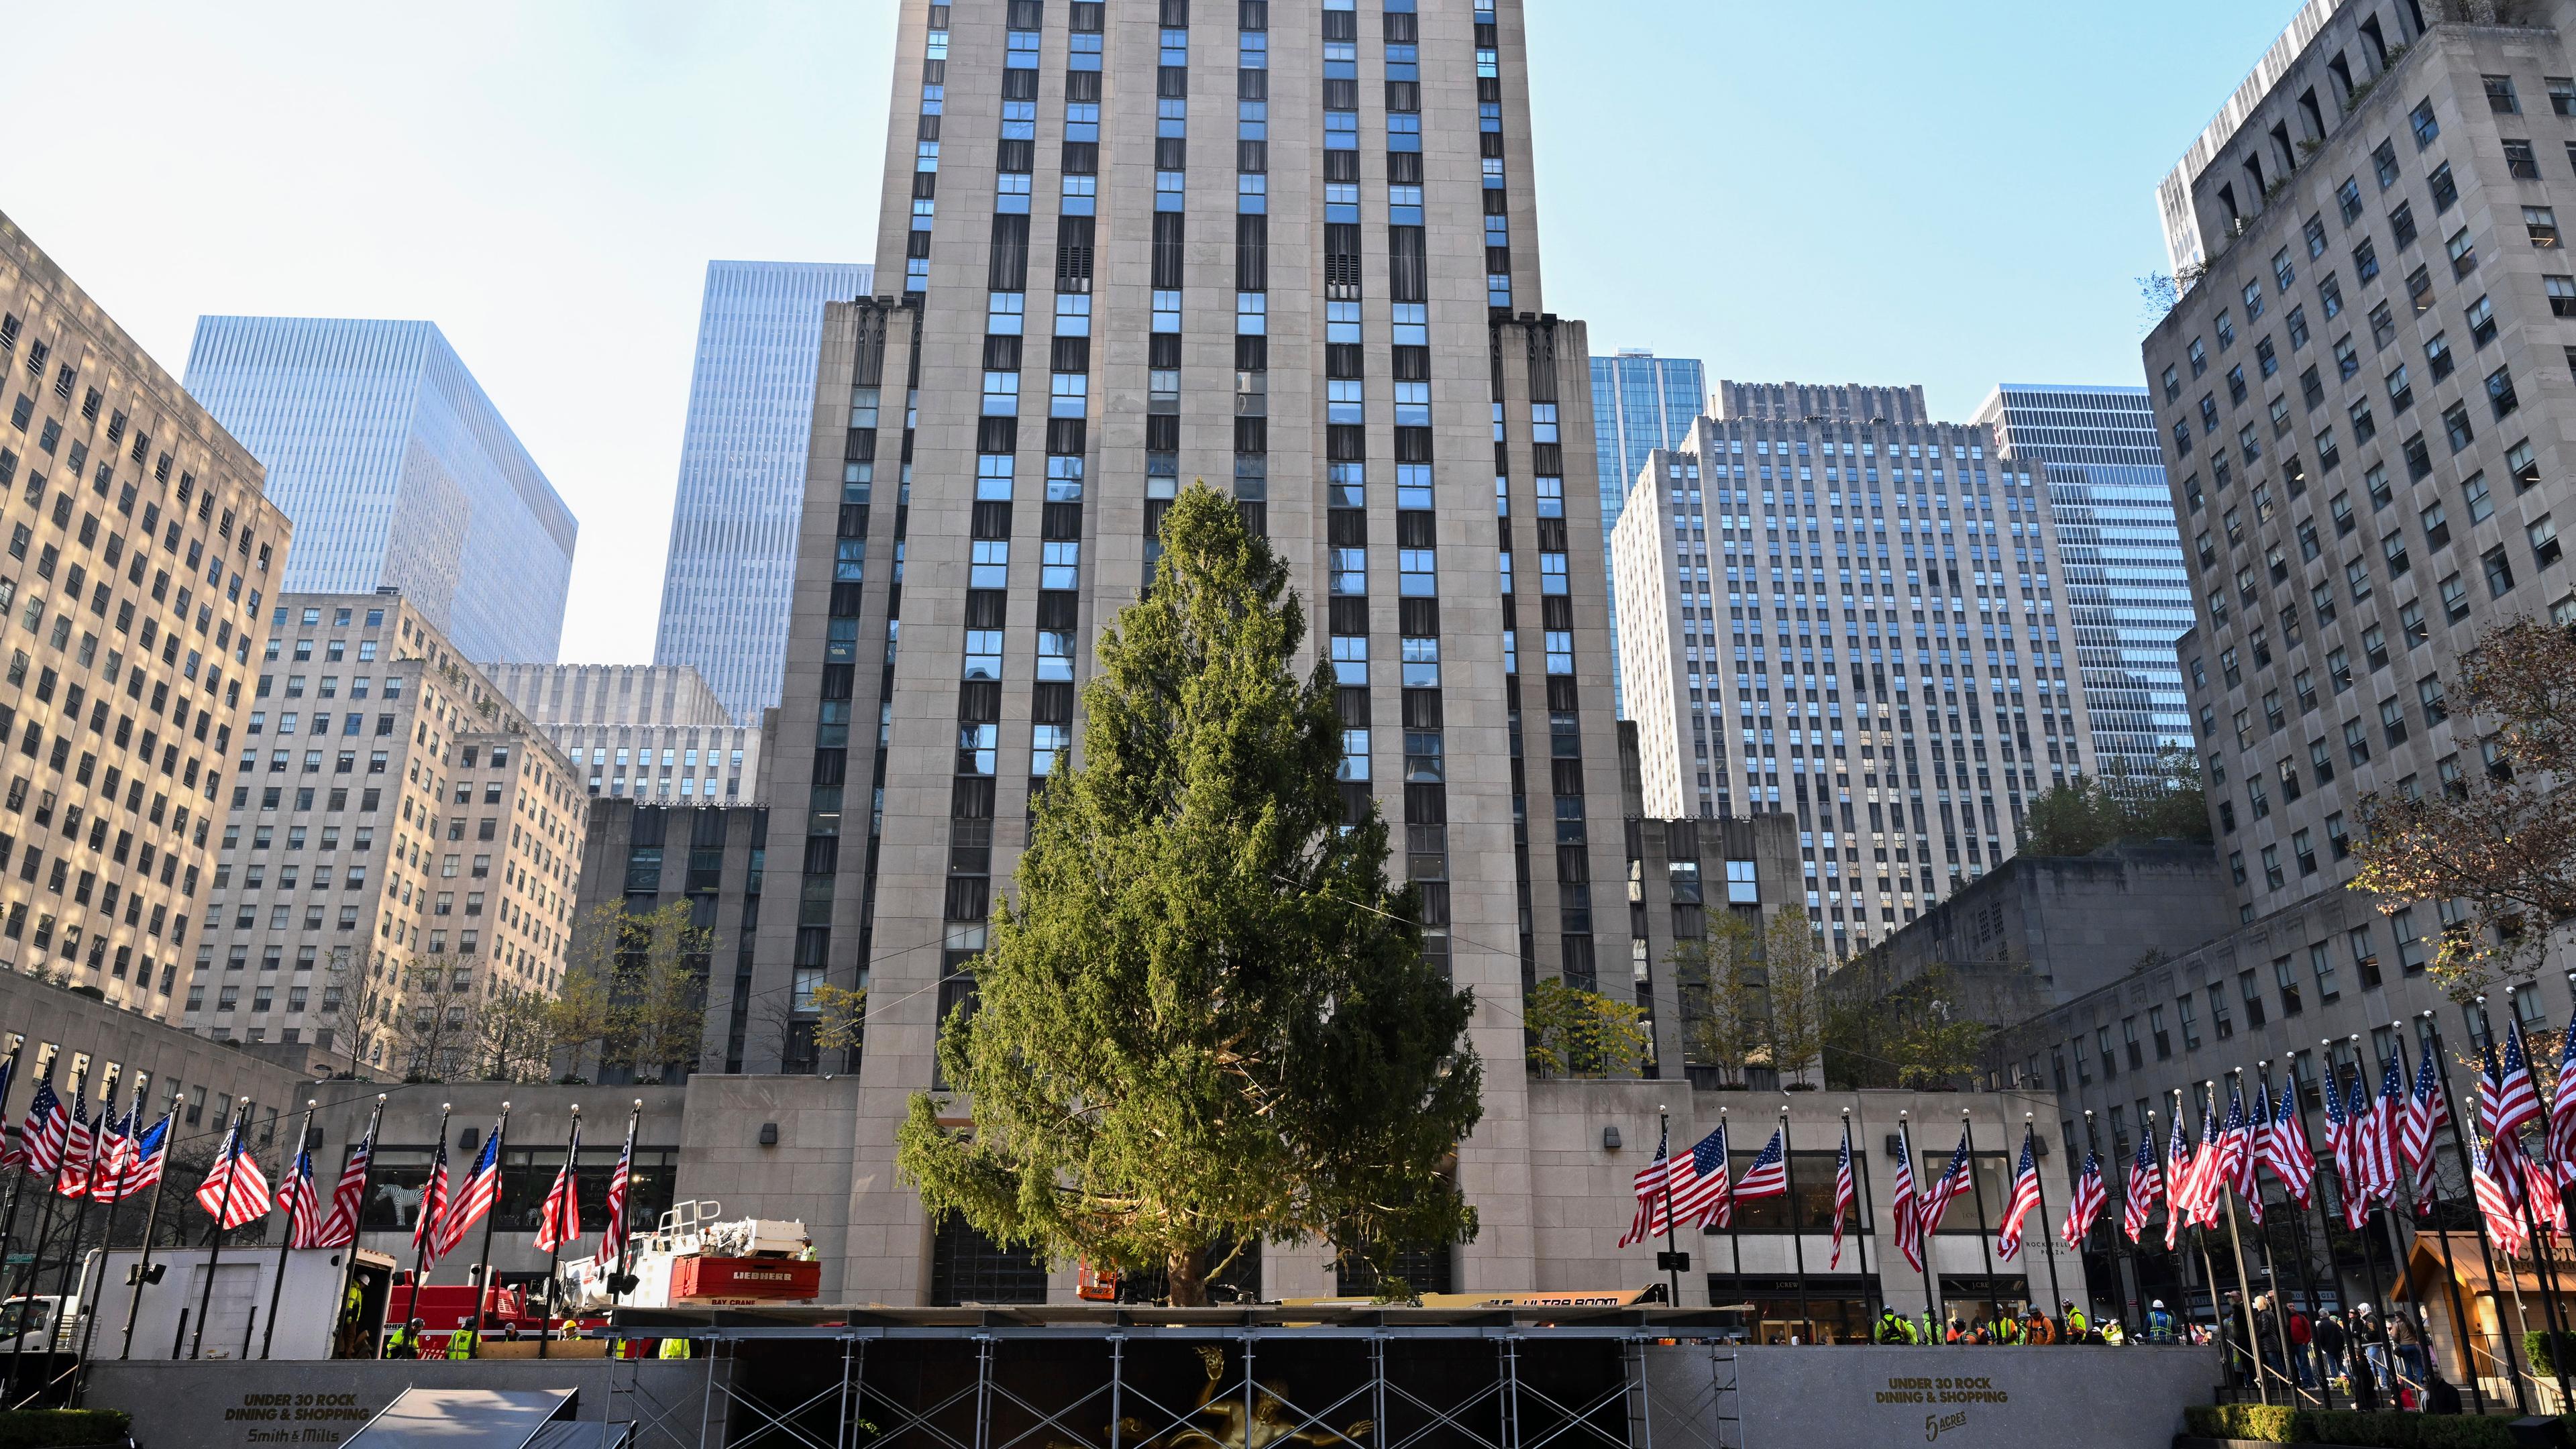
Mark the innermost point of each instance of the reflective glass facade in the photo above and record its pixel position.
(732, 567)
(1641, 402)
(2119, 551)
(397, 471)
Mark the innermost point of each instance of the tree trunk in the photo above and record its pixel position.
(1187, 1271)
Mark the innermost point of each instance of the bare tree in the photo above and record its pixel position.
(635, 994)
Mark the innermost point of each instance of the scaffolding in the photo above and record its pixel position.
(1266, 1377)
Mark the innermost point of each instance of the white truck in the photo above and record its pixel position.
(312, 1321)
(692, 1259)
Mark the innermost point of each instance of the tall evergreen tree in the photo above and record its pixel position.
(1206, 1021)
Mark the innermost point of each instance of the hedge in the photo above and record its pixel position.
(2536, 1348)
(40, 1428)
(2279, 1424)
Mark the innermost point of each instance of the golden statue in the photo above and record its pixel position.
(1270, 1425)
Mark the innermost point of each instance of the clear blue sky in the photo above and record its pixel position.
(1950, 193)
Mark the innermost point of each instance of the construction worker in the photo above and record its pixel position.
(2074, 1320)
(460, 1344)
(674, 1348)
(2114, 1334)
(1927, 1329)
(2036, 1328)
(404, 1341)
(1892, 1328)
(2160, 1323)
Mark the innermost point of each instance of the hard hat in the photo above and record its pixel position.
(2159, 1303)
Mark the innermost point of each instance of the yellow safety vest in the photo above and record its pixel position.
(675, 1348)
(460, 1344)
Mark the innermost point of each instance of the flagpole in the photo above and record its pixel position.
(2462, 1328)
(25, 1287)
(286, 1241)
(357, 1222)
(1734, 1231)
(223, 1209)
(1985, 1243)
(618, 1216)
(2369, 1263)
(151, 1222)
(2128, 1170)
(425, 1230)
(483, 1284)
(17, 1179)
(2200, 1230)
(1860, 1243)
(554, 1255)
(1931, 1304)
(2298, 1222)
(2236, 1240)
(2543, 1269)
(1797, 1233)
(106, 1242)
(2271, 1266)
(2047, 1226)
(2460, 1144)
(80, 1215)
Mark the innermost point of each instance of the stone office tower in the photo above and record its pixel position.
(141, 546)
(1291, 253)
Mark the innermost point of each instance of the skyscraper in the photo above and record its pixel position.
(1891, 665)
(2365, 399)
(732, 564)
(142, 552)
(1640, 402)
(1216, 253)
(2128, 596)
(398, 472)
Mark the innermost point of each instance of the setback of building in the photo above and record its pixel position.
(1905, 510)
(613, 720)
(1640, 402)
(141, 552)
(732, 565)
(398, 472)
(401, 839)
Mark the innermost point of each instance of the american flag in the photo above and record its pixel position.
(433, 1206)
(1844, 1195)
(235, 1191)
(2425, 1115)
(115, 1155)
(2562, 1111)
(2377, 1129)
(1701, 1195)
(1908, 1207)
(2515, 1104)
(2285, 1147)
(2492, 1181)
(80, 1145)
(559, 1220)
(2547, 1209)
(1952, 1182)
(2241, 1152)
(2208, 1171)
(474, 1197)
(612, 1244)
(2343, 1144)
(2024, 1197)
(151, 1156)
(2138, 1195)
(340, 1229)
(303, 1220)
(2086, 1204)
(1649, 1185)
(2178, 1175)
(47, 1129)
(1769, 1174)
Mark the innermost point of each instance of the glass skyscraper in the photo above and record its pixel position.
(1640, 402)
(732, 566)
(2119, 549)
(397, 471)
